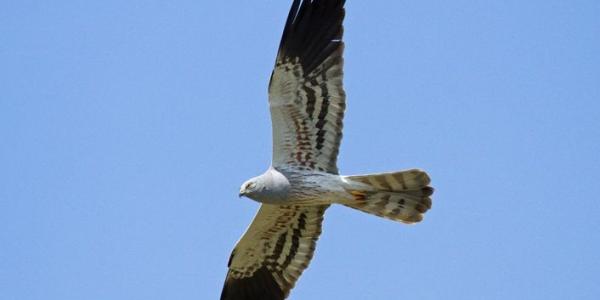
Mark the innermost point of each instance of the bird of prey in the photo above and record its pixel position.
(307, 103)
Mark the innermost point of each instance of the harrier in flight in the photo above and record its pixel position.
(307, 103)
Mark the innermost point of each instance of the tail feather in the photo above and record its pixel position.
(400, 196)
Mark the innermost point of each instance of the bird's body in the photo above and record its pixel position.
(292, 185)
(307, 103)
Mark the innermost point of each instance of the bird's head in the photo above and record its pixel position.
(250, 188)
(271, 187)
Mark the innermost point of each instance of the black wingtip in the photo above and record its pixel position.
(313, 31)
(260, 286)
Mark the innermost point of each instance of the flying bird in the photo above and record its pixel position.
(307, 103)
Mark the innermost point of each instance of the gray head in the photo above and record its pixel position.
(271, 187)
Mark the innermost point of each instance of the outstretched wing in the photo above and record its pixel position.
(273, 252)
(306, 95)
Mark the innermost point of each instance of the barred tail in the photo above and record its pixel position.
(400, 196)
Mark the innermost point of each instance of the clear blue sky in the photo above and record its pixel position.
(127, 127)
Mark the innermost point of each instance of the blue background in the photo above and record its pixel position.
(127, 128)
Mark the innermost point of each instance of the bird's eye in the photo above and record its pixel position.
(249, 186)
